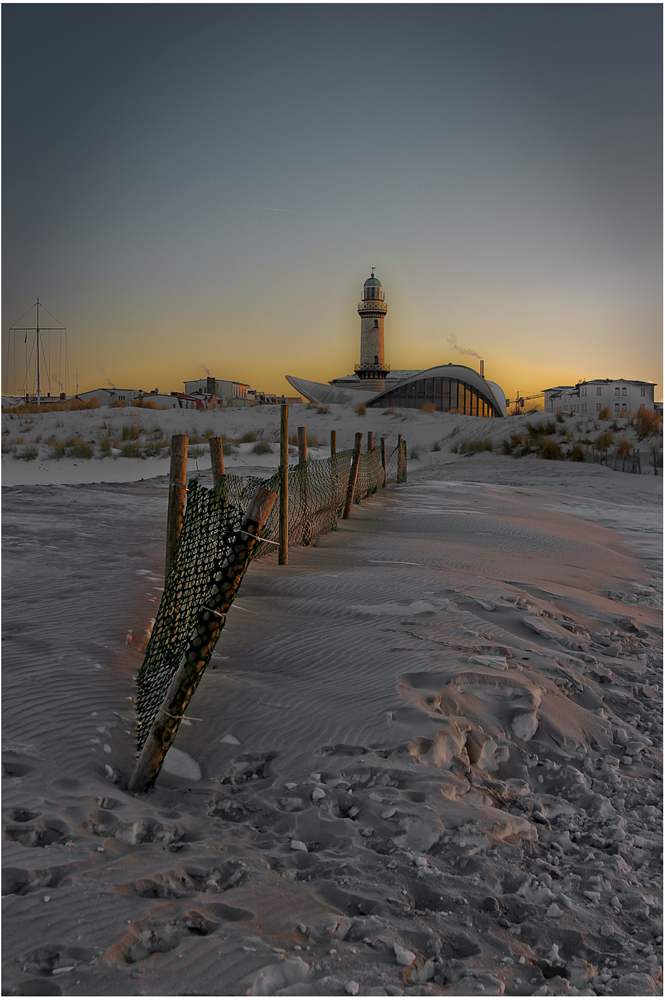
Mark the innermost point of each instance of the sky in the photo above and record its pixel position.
(206, 187)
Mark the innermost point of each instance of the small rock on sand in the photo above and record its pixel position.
(403, 955)
(181, 765)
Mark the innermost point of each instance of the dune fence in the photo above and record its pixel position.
(217, 534)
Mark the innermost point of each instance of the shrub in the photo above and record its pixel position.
(559, 417)
(361, 410)
(196, 451)
(58, 449)
(604, 413)
(414, 453)
(29, 454)
(147, 404)
(577, 453)
(550, 449)
(506, 448)
(81, 450)
(323, 409)
(544, 427)
(623, 447)
(118, 403)
(131, 450)
(436, 446)
(389, 412)
(472, 447)
(604, 440)
(428, 408)
(130, 432)
(67, 404)
(453, 448)
(261, 448)
(647, 423)
(249, 437)
(8, 449)
(229, 448)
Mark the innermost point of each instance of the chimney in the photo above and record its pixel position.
(63, 397)
(210, 385)
(482, 369)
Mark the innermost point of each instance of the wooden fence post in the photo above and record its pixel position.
(614, 467)
(302, 444)
(333, 443)
(655, 461)
(217, 459)
(370, 440)
(304, 486)
(384, 463)
(177, 496)
(353, 475)
(201, 642)
(401, 460)
(283, 557)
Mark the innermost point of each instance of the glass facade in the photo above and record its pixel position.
(448, 395)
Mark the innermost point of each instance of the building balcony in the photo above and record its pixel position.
(371, 371)
(372, 305)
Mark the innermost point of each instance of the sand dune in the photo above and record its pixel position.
(428, 748)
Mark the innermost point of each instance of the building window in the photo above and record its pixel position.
(584, 391)
(624, 391)
(617, 391)
(617, 407)
(376, 323)
(583, 407)
(643, 392)
(599, 407)
(599, 391)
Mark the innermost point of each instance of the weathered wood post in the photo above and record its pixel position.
(384, 463)
(614, 467)
(333, 443)
(634, 465)
(302, 444)
(177, 496)
(283, 556)
(217, 459)
(353, 475)
(655, 460)
(639, 462)
(304, 486)
(370, 440)
(401, 459)
(201, 642)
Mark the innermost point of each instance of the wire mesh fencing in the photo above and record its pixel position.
(317, 492)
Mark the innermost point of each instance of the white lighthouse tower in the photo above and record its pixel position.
(372, 368)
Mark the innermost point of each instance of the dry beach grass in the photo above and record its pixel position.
(427, 757)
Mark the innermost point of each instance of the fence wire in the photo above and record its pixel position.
(317, 492)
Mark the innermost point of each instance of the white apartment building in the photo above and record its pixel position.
(590, 397)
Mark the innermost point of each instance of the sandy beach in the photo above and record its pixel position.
(424, 760)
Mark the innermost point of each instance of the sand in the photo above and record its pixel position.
(425, 758)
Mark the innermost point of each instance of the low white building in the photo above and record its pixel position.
(235, 393)
(592, 396)
(106, 396)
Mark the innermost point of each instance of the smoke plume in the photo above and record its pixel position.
(462, 350)
(206, 370)
(107, 378)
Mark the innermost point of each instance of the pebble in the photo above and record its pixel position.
(318, 794)
(47, 899)
(352, 988)
(297, 845)
(229, 738)
(403, 955)
(553, 911)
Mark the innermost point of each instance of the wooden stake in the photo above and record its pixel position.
(353, 475)
(217, 459)
(333, 443)
(370, 440)
(302, 458)
(284, 487)
(401, 460)
(384, 464)
(201, 642)
(302, 444)
(177, 496)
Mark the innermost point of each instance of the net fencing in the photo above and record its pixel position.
(317, 492)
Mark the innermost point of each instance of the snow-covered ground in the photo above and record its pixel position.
(424, 759)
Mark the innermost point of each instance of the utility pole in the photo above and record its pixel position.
(38, 352)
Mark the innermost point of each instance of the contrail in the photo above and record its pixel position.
(452, 340)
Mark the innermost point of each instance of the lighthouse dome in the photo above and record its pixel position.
(372, 281)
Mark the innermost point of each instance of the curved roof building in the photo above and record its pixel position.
(447, 388)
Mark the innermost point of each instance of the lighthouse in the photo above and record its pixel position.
(372, 368)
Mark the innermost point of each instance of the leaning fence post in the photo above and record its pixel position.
(304, 486)
(217, 459)
(353, 475)
(283, 557)
(201, 642)
(370, 440)
(333, 443)
(384, 463)
(177, 496)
